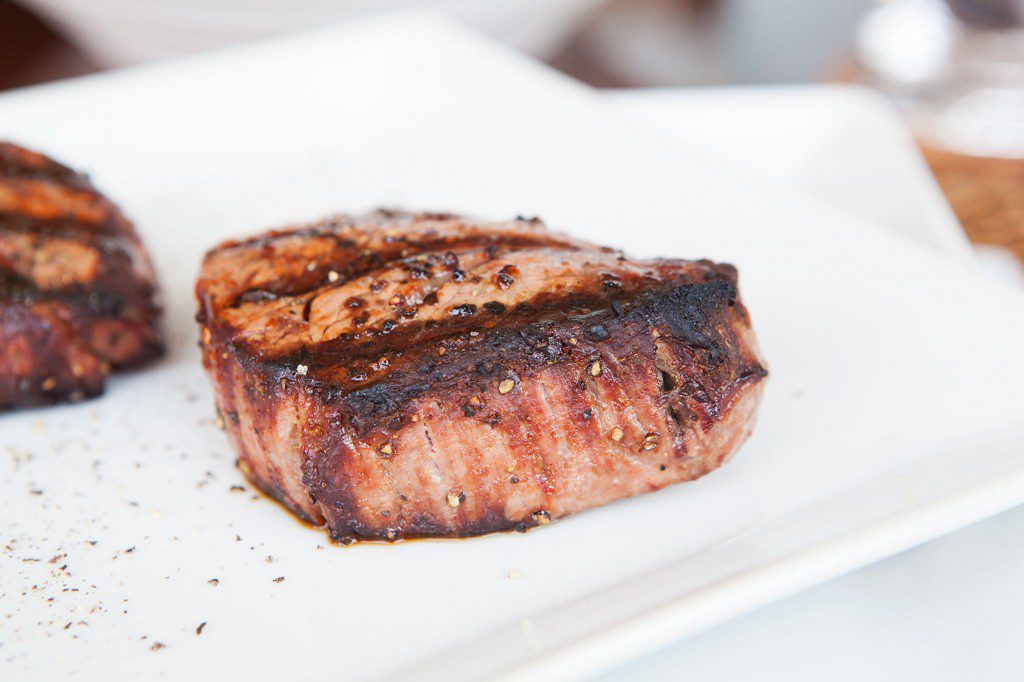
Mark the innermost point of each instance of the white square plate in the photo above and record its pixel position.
(842, 144)
(892, 413)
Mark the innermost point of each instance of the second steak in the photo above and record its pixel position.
(77, 291)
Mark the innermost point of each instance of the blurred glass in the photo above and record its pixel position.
(956, 68)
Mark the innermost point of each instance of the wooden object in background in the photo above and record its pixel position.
(987, 195)
(31, 52)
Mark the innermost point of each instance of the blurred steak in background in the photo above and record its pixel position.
(77, 290)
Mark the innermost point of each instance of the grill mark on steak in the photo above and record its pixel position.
(77, 291)
(419, 370)
(47, 201)
(14, 286)
(84, 302)
(349, 260)
(101, 292)
(577, 378)
(61, 227)
(32, 238)
(369, 342)
(16, 162)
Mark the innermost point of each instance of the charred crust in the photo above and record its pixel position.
(104, 234)
(686, 311)
(691, 314)
(17, 288)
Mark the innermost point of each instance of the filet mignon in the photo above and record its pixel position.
(399, 375)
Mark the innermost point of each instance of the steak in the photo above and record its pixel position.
(398, 376)
(77, 291)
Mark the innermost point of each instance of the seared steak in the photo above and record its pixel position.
(77, 293)
(402, 376)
